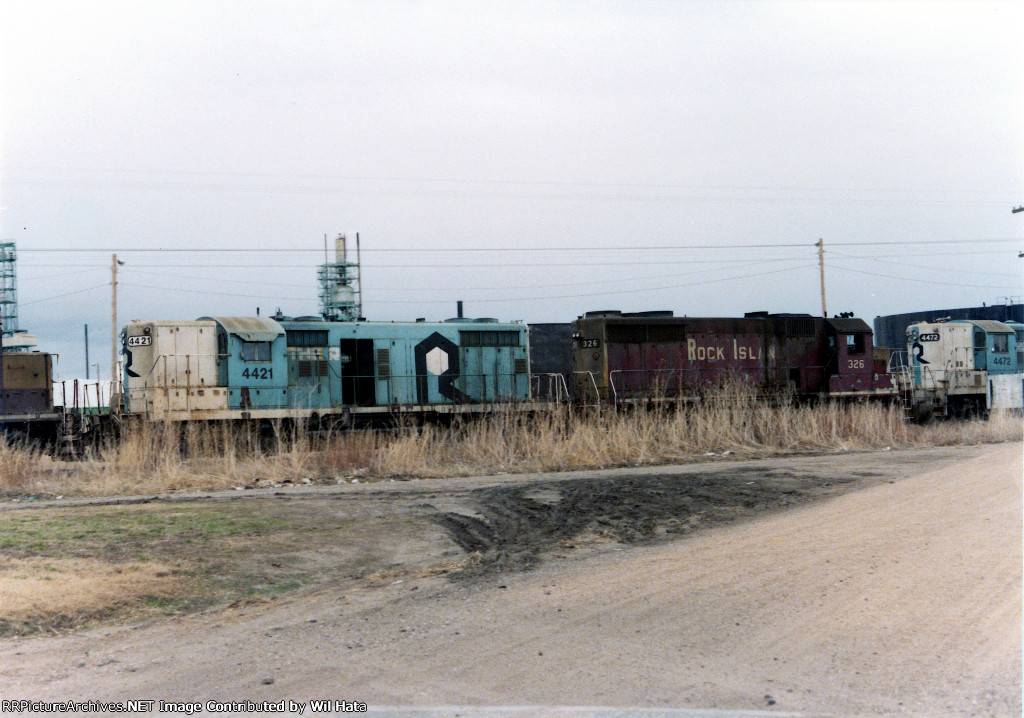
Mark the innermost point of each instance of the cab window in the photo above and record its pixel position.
(854, 343)
(255, 351)
(1001, 343)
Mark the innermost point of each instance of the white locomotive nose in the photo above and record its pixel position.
(963, 367)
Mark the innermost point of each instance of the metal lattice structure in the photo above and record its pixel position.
(340, 299)
(8, 289)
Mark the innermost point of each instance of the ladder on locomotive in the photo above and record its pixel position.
(900, 370)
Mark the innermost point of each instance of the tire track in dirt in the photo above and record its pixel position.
(517, 525)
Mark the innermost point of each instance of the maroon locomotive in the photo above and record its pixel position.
(621, 357)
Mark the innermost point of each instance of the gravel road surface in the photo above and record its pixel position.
(898, 594)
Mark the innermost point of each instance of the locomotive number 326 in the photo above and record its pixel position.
(856, 364)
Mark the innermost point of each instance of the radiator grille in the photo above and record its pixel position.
(312, 367)
(384, 363)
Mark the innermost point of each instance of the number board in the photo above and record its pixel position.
(142, 341)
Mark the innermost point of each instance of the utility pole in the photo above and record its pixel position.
(821, 264)
(113, 316)
(359, 275)
(3, 394)
(113, 321)
(87, 353)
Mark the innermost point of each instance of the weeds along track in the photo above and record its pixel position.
(515, 526)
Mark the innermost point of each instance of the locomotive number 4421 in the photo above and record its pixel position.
(258, 373)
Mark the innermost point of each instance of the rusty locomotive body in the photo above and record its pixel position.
(26, 396)
(622, 358)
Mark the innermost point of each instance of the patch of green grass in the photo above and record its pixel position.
(227, 551)
(124, 532)
(164, 604)
(288, 586)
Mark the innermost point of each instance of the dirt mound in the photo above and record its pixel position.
(516, 525)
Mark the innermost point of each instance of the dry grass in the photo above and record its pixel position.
(68, 567)
(44, 593)
(161, 458)
(22, 468)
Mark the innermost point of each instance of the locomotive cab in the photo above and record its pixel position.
(850, 363)
(251, 362)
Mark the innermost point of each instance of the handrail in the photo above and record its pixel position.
(398, 389)
(900, 368)
(555, 384)
(593, 382)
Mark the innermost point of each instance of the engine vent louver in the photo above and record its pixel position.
(384, 363)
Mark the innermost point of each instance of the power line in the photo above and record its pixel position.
(432, 250)
(215, 294)
(479, 300)
(218, 280)
(958, 270)
(920, 281)
(68, 294)
(603, 294)
(450, 265)
(743, 263)
(523, 250)
(445, 265)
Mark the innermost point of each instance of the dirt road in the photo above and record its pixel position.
(902, 597)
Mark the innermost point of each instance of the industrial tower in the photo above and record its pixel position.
(8, 289)
(340, 297)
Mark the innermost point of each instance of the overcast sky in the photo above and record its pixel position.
(536, 160)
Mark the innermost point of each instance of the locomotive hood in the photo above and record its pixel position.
(250, 329)
(991, 326)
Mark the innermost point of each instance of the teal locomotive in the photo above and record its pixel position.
(309, 370)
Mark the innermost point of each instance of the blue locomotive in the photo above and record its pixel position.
(308, 369)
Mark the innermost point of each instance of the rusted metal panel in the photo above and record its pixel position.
(27, 370)
(27, 401)
(27, 383)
